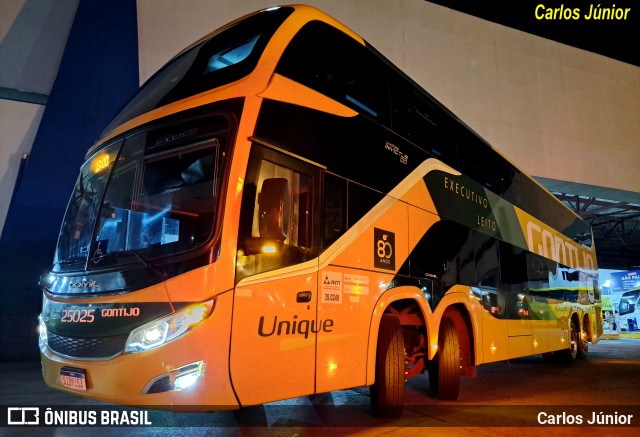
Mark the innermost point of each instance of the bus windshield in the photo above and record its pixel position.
(149, 195)
(226, 57)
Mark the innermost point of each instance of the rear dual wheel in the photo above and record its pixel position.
(444, 372)
(571, 353)
(583, 344)
(578, 347)
(387, 393)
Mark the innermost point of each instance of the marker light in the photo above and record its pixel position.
(167, 329)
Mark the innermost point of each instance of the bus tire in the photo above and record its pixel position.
(387, 393)
(583, 345)
(444, 372)
(569, 355)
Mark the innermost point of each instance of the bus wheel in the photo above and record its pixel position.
(387, 393)
(444, 372)
(583, 345)
(571, 353)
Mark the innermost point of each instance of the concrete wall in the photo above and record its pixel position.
(33, 34)
(97, 74)
(18, 126)
(555, 111)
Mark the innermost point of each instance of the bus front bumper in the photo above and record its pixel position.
(188, 374)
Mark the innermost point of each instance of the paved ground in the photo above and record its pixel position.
(507, 398)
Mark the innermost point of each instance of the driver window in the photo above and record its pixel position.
(276, 218)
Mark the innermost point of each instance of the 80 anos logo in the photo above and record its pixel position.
(384, 248)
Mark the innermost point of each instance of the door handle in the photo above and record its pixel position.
(303, 296)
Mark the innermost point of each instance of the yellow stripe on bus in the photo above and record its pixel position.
(546, 241)
(286, 90)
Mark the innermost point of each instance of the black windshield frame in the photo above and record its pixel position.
(176, 138)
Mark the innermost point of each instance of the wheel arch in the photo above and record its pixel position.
(453, 305)
(394, 301)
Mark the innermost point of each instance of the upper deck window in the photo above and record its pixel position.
(231, 55)
(334, 64)
(224, 58)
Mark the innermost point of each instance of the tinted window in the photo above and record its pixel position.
(163, 193)
(227, 56)
(277, 217)
(445, 253)
(325, 59)
(540, 272)
(460, 268)
(334, 209)
(360, 201)
(78, 226)
(421, 121)
(487, 167)
(513, 272)
(480, 162)
(487, 261)
(513, 266)
(153, 194)
(356, 148)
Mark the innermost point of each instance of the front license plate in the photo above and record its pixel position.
(74, 379)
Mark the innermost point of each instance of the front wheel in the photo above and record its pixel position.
(444, 372)
(387, 393)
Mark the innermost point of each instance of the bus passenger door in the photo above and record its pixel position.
(273, 338)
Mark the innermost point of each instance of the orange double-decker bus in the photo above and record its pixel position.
(280, 211)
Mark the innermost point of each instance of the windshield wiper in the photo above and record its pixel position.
(160, 274)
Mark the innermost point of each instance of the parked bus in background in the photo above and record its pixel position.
(629, 310)
(280, 211)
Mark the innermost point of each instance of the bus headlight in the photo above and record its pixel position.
(162, 331)
(43, 339)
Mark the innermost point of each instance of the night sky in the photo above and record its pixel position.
(615, 38)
